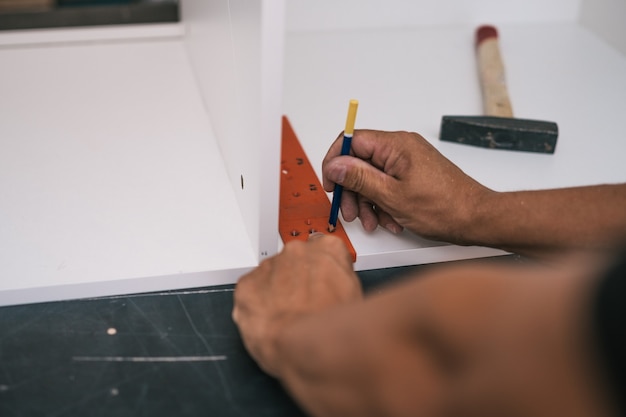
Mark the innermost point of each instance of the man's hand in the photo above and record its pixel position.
(483, 340)
(305, 278)
(398, 179)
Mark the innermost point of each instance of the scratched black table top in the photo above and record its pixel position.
(168, 354)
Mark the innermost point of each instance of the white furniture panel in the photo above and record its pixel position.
(143, 158)
(41, 37)
(406, 79)
(111, 180)
(236, 48)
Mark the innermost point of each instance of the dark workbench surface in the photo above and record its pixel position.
(172, 354)
(74, 13)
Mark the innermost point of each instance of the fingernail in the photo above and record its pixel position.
(393, 228)
(315, 235)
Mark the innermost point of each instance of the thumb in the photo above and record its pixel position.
(357, 175)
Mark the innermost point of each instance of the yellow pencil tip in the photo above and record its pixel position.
(354, 104)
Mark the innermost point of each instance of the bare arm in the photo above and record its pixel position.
(399, 180)
(548, 221)
(482, 340)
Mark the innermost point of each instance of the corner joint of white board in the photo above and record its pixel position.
(111, 33)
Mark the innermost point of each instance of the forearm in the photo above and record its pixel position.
(481, 340)
(358, 360)
(549, 221)
(319, 367)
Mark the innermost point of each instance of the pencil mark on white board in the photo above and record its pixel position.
(222, 378)
(158, 294)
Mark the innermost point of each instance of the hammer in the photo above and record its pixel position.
(497, 129)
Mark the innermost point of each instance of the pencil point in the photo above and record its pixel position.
(331, 228)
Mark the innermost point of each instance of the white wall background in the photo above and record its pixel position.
(607, 18)
(306, 15)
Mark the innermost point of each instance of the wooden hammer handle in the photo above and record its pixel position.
(491, 72)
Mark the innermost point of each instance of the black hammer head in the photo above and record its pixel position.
(500, 133)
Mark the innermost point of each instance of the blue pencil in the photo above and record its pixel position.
(345, 150)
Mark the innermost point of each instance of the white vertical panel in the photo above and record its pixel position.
(110, 178)
(305, 15)
(236, 50)
(606, 18)
(272, 57)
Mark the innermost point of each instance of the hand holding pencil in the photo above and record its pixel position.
(399, 180)
(345, 150)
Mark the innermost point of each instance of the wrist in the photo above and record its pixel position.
(475, 225)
